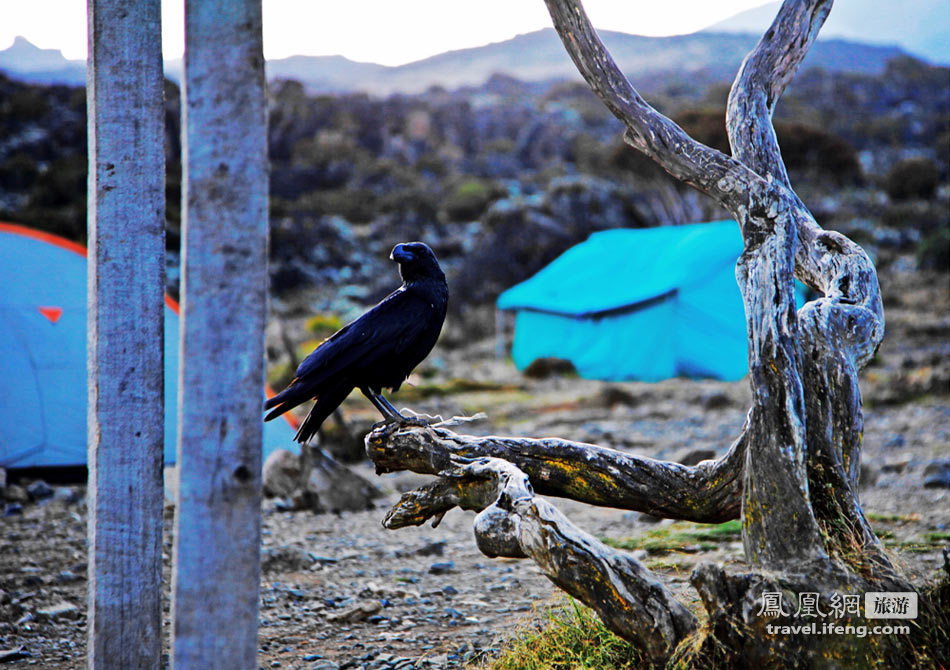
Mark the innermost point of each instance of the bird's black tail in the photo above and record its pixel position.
(327, 401)
(287, 399)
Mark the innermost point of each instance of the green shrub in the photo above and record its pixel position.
(324, 325)
(925, 216)
(933, 252)
(805, 148)
(470, 199)
(18, 172)
(912, 178)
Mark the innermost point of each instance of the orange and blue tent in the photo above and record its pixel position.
(43, 394)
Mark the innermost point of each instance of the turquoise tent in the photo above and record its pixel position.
(646, 304)
(43, 365)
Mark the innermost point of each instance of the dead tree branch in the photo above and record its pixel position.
(512, 522)
(709, 492)
(793, 471)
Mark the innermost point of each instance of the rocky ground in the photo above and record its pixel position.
(339, 591)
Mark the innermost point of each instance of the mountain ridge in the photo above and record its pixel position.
(530, 57)
(920, 27)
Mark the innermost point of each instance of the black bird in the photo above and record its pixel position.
(377, 350)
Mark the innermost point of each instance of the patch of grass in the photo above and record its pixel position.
(888, 518)
(662, 564)
(681, 537)
(569, 637)
(913, 546)
(725, 532)
(937, 538)
(928, 645)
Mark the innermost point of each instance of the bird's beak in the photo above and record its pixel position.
(400, 254)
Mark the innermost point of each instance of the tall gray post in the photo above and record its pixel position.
(224, 287)
(126, 277)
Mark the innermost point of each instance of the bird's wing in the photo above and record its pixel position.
(383, 331)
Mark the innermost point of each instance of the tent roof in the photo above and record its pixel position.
(622, 268)
(43, 382)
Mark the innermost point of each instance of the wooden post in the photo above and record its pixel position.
(126, 277)
(224, 287)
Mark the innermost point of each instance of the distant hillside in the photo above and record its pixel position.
(24, 60)
(533, 57)
(922, 27)
(540, 56)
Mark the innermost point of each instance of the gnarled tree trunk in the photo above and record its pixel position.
(791, 476)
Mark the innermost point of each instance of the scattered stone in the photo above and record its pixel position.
(895, 441)
(281, 473)
(39, 490)
(283, 505)
(611, 396)
(58, 611)
(322, 560)
(66, 495)
(16, 493)
(7, 655)
(326, 665)
(717, 400)
(896, 465)
(649, 518)
(937, 474)
(441, 568)
(867, 476)
(330, 486)
(3, 479)
(361, 611)
(542, 368)
(12, 509)
(432, 549)
(67, 577)
(285, 558)
(695, 456)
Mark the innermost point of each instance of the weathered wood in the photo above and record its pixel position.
(513, 522)
(709, 492)
(224, 288)
(838, 333)
(762, 78)
(126, 279)
(798, 456)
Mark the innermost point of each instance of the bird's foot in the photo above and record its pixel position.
(412, 419)
(418, 419)
(388, 422)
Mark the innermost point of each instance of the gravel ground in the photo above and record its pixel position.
(339, 591)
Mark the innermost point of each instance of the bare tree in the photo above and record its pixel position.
(791, 476)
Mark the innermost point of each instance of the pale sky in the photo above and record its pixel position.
(391, 32)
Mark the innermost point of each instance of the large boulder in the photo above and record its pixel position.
(316, 481)
(281, 474)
